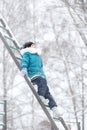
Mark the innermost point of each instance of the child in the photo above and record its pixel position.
(32, 66)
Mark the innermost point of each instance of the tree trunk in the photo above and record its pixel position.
(83, 98)
(4, 89)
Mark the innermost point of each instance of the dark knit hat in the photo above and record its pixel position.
(27, 44)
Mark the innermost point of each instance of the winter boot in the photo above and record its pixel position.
(56, 113)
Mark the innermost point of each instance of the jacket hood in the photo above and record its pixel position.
(30, 50)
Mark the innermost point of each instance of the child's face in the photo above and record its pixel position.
(33, 46)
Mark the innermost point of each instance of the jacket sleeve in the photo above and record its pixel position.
(41, 63)
(25, 61)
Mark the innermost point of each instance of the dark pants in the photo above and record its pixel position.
(43, 90)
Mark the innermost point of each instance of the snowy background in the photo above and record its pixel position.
(59, 28)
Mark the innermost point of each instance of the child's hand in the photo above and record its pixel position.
(24, 72)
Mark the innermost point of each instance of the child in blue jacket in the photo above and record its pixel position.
(32, 66)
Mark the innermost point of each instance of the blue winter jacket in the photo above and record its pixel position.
(34, 65)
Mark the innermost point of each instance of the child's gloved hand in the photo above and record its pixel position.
(24, 72)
